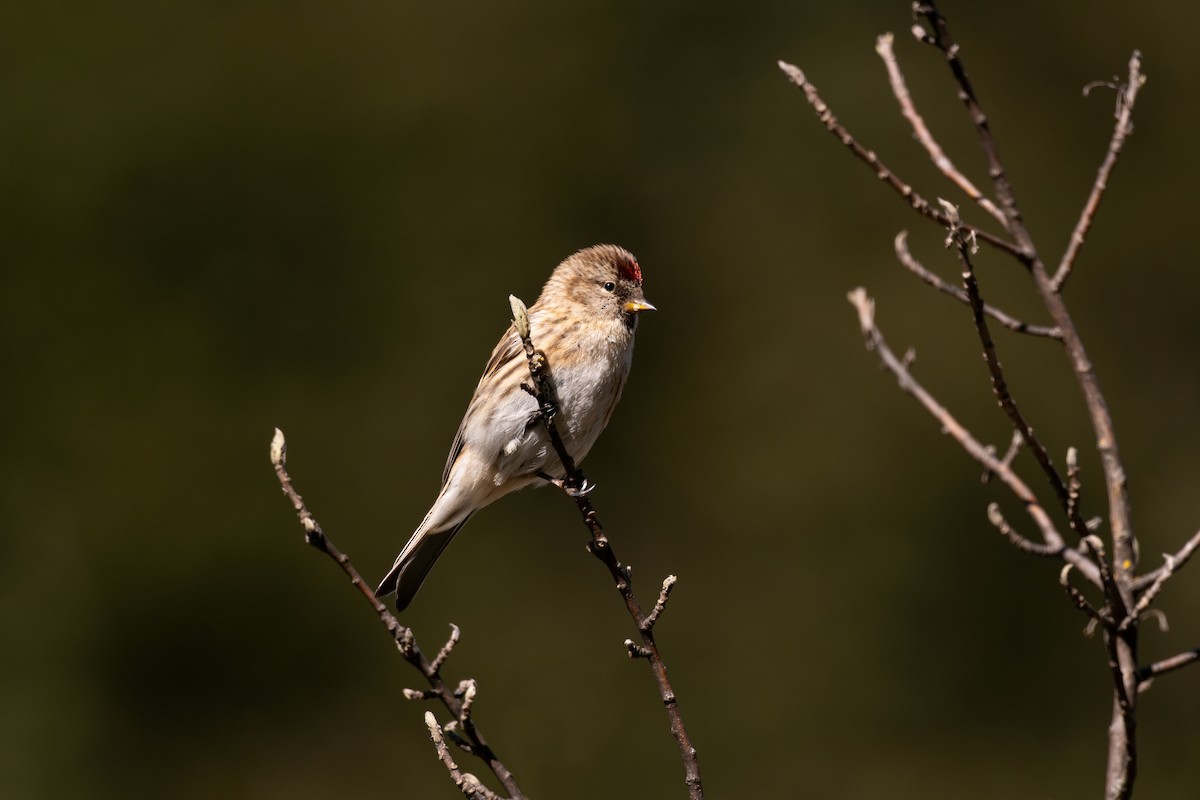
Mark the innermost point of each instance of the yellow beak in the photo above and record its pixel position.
(636, 306)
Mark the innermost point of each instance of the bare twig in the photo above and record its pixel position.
(918, 203)
(1020, 542)
(1171, 565)
(444, 653)
(1121, 130)
(1179, 560)
(984, 455)
(575, 486)
(905, 256)
(999, 384)
(1081, 602)
(1106, 441)
(467, 783)
(1122, 760)
(883, 46)
(401, 635)
(1178, 661)
(1014, 447)
(664, 594)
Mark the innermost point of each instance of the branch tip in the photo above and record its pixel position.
(520, 315)
(278, 449)
(793, 73)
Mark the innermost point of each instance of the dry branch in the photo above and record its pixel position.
(453, 700)
(576, 487)
(905, 256)
(1126, 596)
(883, 46)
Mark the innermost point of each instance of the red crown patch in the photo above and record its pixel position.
(628, 267)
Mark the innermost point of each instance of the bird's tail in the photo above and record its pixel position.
(414, 563)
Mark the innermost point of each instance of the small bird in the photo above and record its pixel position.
(584, 321)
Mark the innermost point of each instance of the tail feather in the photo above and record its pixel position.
(414, 563)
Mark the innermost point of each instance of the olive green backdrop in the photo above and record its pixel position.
(223, 217)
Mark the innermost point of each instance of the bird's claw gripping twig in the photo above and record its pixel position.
(568, 486)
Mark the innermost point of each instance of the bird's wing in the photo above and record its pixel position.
(508, 348)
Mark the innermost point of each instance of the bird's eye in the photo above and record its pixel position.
(609, 286)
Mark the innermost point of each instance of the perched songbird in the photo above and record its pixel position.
(584, 321)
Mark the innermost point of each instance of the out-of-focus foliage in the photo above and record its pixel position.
(222, 217)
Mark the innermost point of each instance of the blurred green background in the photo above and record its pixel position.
(223, 217)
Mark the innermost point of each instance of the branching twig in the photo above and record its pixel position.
(914, 266)
(1179, 559)
(402, 635)
(918, 203)
(883, 46)
(999, 384)
(1173, 563)
(574, 485)
(1121, 130)
(1116, 576)
(950, 425)
(467, 783)
(1106, 441)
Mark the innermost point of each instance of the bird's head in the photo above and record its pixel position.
(605, 279)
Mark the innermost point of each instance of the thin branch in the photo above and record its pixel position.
(664, 594)
(467, 783)
(905, 256)
(999, 384)
(1121, 130)
(941, 39)
(575, 486)
(984, 455)
(1102, 425)
(401, 635)
(915, 200)
(1074, 492)
(1014, 447)
(1179, 559)
(1081, 602)
(1020, 542)
(1151, 671)
(883, 46)
(444, 653)
(1161, 575)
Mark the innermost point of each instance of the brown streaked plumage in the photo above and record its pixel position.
(584, 321)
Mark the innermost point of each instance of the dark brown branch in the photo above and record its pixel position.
(1122, 754)
(918, 203)
(883, 46)
(575, 486)
(906, 258)
(995, 371)
(401, 635)
(1121, 130)
(984, 455)
(941, 39)
(1081, 602)
(1102, 425)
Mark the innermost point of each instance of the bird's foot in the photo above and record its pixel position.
(569, 487)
